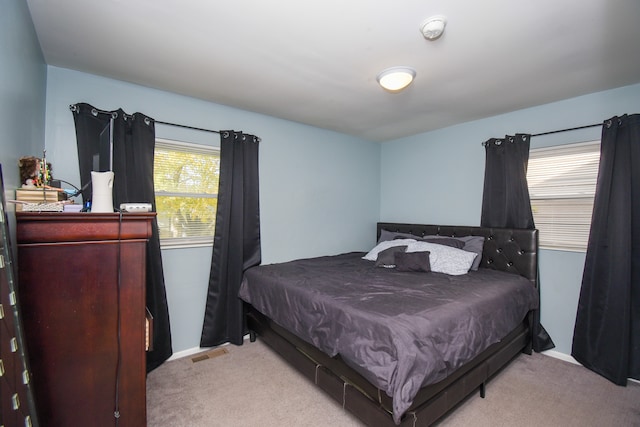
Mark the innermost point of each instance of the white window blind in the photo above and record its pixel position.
(186, 180)
(562, 184)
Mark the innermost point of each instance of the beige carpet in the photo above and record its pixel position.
(251, 386)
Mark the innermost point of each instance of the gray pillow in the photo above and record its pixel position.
(386, 258)
(447, 241)
(386, 235)
(413, 261)
(473, 244)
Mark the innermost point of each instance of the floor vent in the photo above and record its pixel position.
(209, 355)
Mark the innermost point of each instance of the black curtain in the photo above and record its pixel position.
(133, 151)
(606, 337)
(506, 202)
(236, 243)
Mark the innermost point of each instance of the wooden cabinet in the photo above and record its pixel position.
(81, 283)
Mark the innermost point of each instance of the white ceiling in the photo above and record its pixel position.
(316, 61)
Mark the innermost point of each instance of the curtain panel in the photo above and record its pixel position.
(505, 199)
(236, 243)
(607, 330)
(506, 202)
(133, 152)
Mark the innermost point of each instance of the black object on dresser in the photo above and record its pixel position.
(82, 289)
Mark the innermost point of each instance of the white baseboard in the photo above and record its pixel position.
(570, 359)
(194, 350)
(188, 352)
(561, 356)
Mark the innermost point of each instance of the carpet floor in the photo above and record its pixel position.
(250, 385)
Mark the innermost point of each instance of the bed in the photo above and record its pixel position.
(401, 346)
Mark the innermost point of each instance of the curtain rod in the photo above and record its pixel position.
(186, 127)
(95, 111)
(567, 130)
(557, 131)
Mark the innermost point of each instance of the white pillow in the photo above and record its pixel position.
(445, 259)
(372, 255)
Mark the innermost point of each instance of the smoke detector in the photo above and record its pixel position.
(433, 27)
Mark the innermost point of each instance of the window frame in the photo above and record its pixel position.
(177, 145)
(568, 244)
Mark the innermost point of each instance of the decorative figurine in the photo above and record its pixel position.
(32, 174)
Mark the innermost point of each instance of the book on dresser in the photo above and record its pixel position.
(82, 285)
(38, 196)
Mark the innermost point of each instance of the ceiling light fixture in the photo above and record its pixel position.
(395, 79)
(433, 27)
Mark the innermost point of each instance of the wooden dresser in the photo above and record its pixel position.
(81, 283)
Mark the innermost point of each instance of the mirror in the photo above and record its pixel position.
(17, 406)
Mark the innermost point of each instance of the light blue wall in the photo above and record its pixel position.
(22, 91)
(319, 190)
(23, 80)
(437, 177)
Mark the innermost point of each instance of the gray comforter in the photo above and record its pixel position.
(400, 330)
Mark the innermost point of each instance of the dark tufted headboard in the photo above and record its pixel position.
(514, 250)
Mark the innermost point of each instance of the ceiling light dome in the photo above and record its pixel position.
(395, 79)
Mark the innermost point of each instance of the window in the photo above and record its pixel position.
(562, 185)
(186, 188)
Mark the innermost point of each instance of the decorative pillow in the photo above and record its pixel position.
(372, 255)
(387, 257)
(445, 259)
(413, 261)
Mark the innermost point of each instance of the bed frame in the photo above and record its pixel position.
(510, 250)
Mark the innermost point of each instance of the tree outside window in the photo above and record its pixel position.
(186, 178)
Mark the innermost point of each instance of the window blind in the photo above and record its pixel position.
(186, 180)
(562, 183)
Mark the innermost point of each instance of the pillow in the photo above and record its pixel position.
(387, 258)
(391, 235)
(445, 259)
(372, 255)
(447, 241)
(471, 244)
(413, 261)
